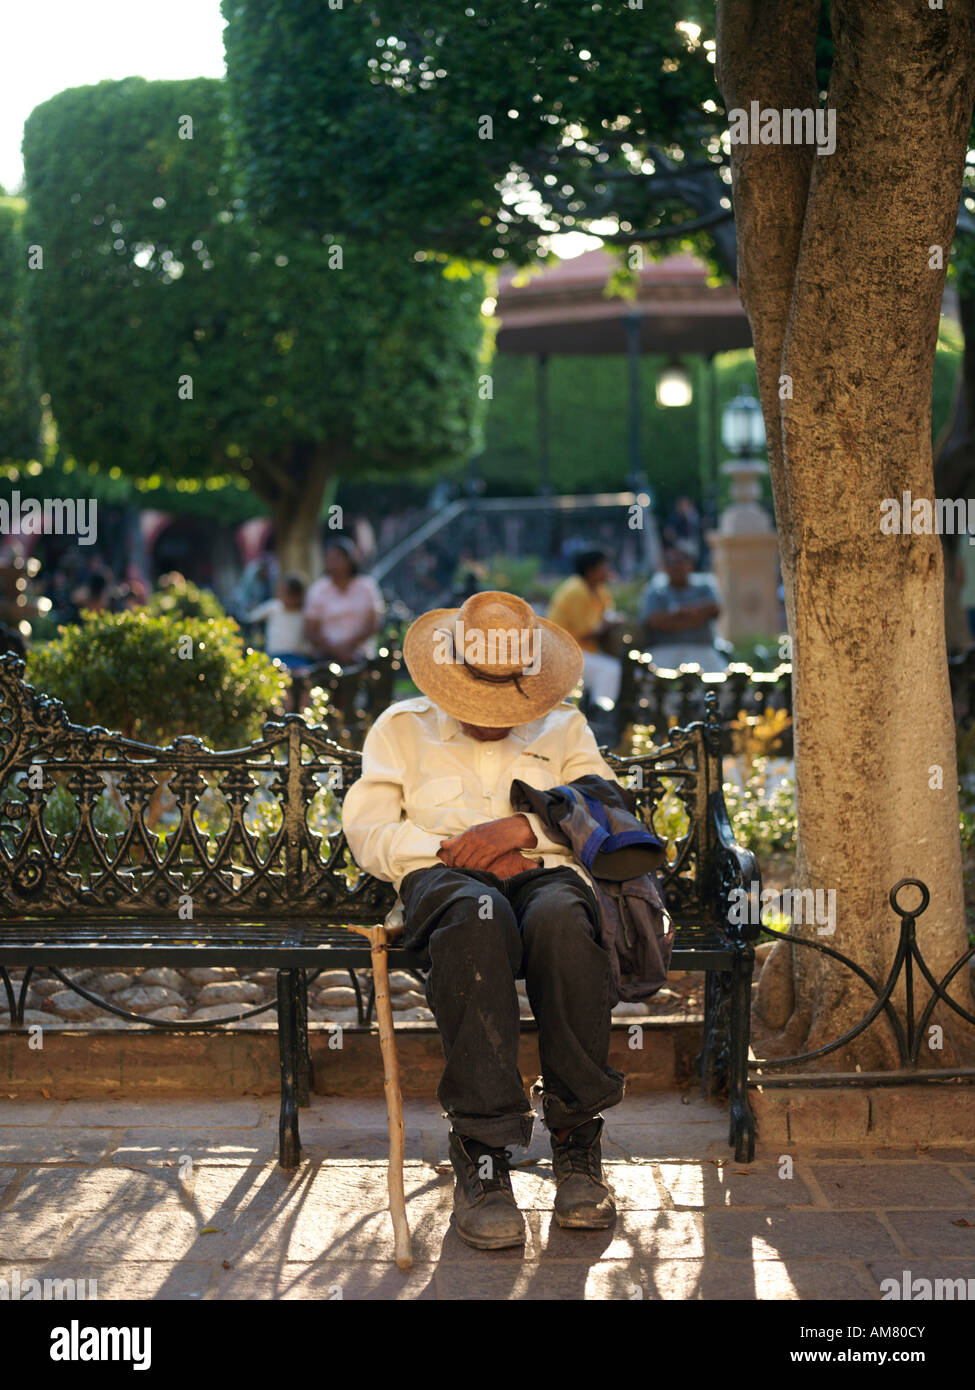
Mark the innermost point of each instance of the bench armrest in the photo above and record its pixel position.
(730, 867)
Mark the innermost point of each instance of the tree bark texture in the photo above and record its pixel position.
(843, 293)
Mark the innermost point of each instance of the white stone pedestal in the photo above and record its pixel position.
(745, 556)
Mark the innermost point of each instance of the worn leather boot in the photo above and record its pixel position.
(582, 1199)
(484, 1205)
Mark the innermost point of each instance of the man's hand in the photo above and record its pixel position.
(681, 619)
(511, 863)
(479, 847)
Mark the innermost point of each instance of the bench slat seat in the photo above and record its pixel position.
(311, 945)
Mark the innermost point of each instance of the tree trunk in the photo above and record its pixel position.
(296, 534)
(844, 306)
(293, 485)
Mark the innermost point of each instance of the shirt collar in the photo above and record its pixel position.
(449, 728)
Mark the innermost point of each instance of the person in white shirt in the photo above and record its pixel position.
(488, 897)
(284, 630)
(344, 609)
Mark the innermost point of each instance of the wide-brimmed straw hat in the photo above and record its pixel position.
(492, 661)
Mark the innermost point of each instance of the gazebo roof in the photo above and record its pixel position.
(563, 309)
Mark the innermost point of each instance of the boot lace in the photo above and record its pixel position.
(500, 1177)
(577, 1158)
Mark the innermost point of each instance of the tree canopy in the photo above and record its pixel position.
(19, 404)
(481, 125)
(176, 336)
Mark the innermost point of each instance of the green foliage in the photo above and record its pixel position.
(761, 801)
(670, 820)
(124, 671)
(588, 429)
(966, 802)
(399, 88)
(226, 499)
(318, 712)
(600, 114)
(761, 651)
(514, 575)
(762, 808)
(154, 278)
(589, 423)
(179, 598)
(19, 406)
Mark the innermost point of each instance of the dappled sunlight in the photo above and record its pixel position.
(170, 1208)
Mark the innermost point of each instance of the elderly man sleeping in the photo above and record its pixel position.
(490, 895)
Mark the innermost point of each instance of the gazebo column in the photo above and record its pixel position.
(544, 435)
(633, 324)
(547, 539)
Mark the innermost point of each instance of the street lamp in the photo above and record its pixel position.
(742, 425)
(674, 386)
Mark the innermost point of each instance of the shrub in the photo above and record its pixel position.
(177, 597)
(762, 808)
(153, 677)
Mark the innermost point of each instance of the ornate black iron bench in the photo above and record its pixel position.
(651, 694)
(114, 852)
(356, 694)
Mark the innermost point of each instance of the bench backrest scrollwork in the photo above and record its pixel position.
(104, 827)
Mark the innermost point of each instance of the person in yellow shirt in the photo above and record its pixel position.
(580, 605)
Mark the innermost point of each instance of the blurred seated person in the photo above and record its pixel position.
(58, 589)
(677, 610)
(94, 593)
(284, 624)
(683, 528)
(131, 594)
(344, 609)
(256, 586)
(582, 605)
(469, 577)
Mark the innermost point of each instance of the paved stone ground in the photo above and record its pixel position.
(182, 1199)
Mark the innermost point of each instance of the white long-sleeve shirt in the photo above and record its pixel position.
(423, 780)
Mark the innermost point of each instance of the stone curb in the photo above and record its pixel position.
(244, 1061)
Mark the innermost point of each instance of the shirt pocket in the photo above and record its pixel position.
(437, 790)
(537, 772)
(432, 802)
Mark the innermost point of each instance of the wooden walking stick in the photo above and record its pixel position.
(378, 942)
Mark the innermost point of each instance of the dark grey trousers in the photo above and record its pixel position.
(478, 933)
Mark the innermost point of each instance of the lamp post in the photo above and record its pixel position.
(743, 435)
(743, 426)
